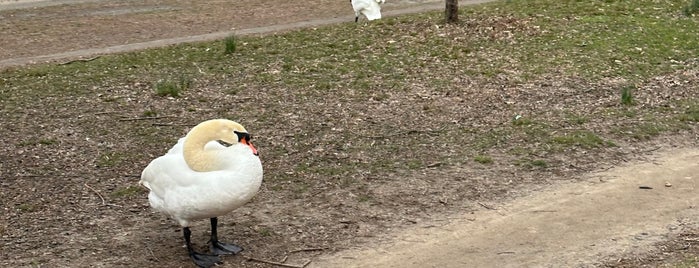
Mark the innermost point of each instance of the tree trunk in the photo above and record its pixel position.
(452, 11)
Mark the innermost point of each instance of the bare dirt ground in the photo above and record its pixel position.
(519, 217)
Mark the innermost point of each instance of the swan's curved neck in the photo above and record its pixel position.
(196, 157)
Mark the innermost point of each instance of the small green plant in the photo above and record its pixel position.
(127, 191)
(582, 138)
(691, 114)
(109, 159)
(173, 89)
(576, 119)
(483, 159)
(627, 95)
(539, 163)
(149, 113)
(520, 121)
(37, 142)
(531, 164)
(230, 44)
(364, 198)
(692, 8)
(264, 232)
(26, 207)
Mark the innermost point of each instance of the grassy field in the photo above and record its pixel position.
(362, 118)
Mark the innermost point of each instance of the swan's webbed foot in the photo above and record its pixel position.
(220, 248)
(201, 260)
(204, 260)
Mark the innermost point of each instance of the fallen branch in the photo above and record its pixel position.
(98, 194)
(143, 118)
(104, 202)
(106, 112)
(278, 263)
(486, 206)
(169, 125)
(79, 60)
(543, 211)
(307, 249)
(151, 252)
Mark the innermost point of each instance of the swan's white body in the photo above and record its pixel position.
(369, 8)
(234, 176)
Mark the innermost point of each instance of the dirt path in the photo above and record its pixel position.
(571, 225)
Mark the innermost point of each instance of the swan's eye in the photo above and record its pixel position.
(224, 143)
(243, 135)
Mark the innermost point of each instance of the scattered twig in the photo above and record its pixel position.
(151, 252)
(143, 118)
(308, 249)
(200, 71)
(486, 206)
(409, 132)
(277, 263)
(105, 112)
(169, 125)
(80, 60)
(306, 264)
(435, 164)
(104, 202)
(543, 210)
(651, 149)
(505, 252)
(98, 194)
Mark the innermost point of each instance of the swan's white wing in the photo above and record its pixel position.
(188, 195)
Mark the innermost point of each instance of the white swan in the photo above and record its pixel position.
(369, 8)
(210, 172)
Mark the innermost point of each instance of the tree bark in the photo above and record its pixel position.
(452, 11)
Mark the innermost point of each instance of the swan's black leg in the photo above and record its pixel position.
(356, 18)
(201, 260)
(218, 247)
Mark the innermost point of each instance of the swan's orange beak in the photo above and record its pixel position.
(249, 144)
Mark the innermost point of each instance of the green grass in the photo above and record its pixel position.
(531, 164)
(128, 191)
(360, 91)
(173, 89)
(627, 96)
(691, 113)
(38, 142)
(26, 207)
(230, 44)
(692, 8)
(583, 139)
(111, 159)
(483, 159)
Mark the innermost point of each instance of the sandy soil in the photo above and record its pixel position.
(569, 225)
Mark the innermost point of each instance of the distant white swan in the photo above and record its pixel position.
(208, 173)
(369, 8)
